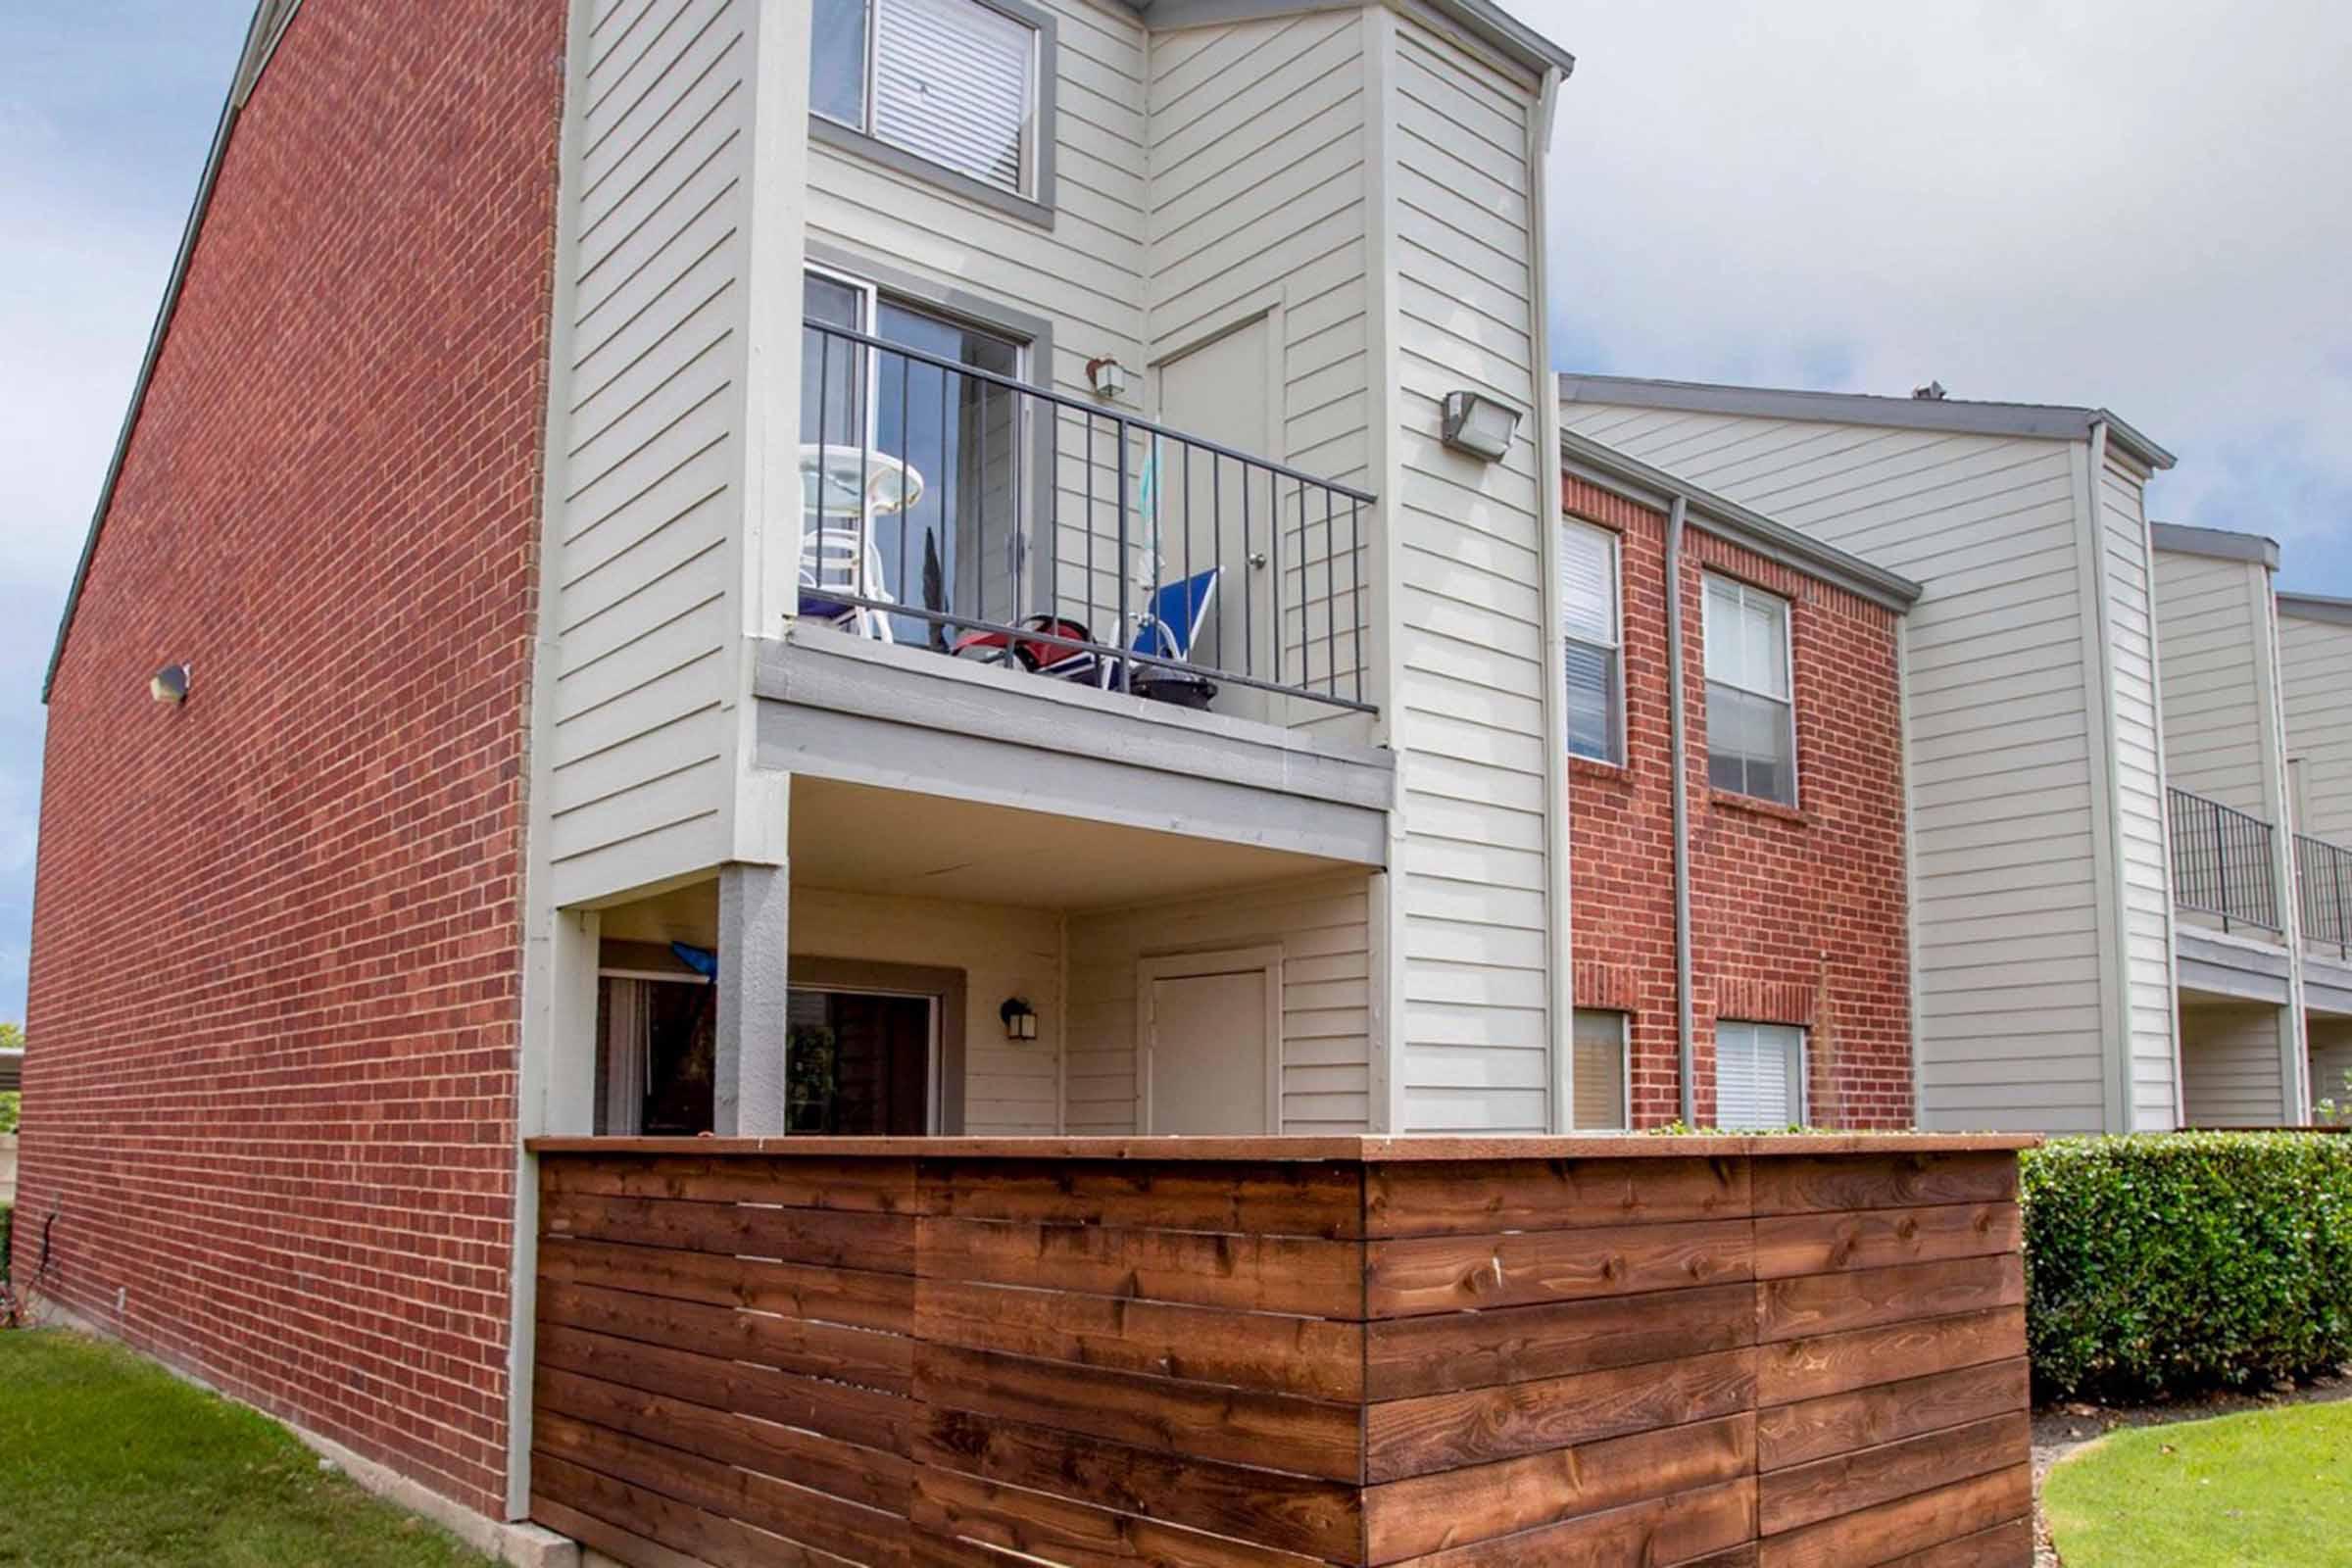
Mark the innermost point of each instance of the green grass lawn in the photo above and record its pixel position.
(106, 1461)
(2270, 1488)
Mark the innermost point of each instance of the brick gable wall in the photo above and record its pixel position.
(277, 940)
(1797, 916)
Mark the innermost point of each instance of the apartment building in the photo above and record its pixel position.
(2314, 676)
(2238, 953)
(2042, 919)
(676, 565)
(1735, 810)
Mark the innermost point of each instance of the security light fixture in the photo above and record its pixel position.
(1479, 424)
(1107, 376)
(1020, 1019)
(170, 685)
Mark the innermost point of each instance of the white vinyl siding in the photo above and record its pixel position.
(2231, 1066)
(1471, 875)
(1322, 927)
(1752, 710)
(1255, 218)
(646, 452)
(2209, 635)
(1759, 1075)
(2316, 668)
(2004, 782)
(1589, 627)
(2146, 895)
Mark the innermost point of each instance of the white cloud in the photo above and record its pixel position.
(2137, 204)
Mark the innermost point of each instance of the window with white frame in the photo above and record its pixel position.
(1600, 1076)
(1751, 722)
(954, 82)
(1590, 633)
(1759, 1075)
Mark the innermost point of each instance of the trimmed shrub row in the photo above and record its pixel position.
(2172, 1262)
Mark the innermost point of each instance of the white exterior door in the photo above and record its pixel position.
(1210, 1029)
(1223, 392)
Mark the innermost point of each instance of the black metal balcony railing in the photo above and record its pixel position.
(2323, 873)
(2222, 862)
(975, 514)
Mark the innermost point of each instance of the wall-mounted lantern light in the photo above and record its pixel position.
(1107, 376)
(1479, 424)
(1020, 1019)
(170, 685)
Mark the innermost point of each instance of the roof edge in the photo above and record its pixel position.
(271, 18)
(2044, 421)
(1489, 23)
(1719, 514)
(2317, 607)
(2215, 543)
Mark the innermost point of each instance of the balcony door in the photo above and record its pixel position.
(1213, 513)
(957, 550)
(863, 1064)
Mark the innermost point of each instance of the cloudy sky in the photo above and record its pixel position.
(2141, 205)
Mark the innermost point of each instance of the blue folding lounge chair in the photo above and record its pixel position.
(1170, 628)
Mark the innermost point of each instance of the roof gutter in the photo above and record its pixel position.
(2043, 421)
(1482, 20)
(270, 21)
(2215, 543)
(2317, 607)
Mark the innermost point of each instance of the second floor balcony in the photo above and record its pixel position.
(2225, 864)
(2324, 879)
(951, 506)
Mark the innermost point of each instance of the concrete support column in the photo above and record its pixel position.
(755, 926)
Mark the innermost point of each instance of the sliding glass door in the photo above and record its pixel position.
(958, 548)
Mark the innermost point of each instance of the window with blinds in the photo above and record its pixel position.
(1599, 1070)
(1759, 1075)
(1751, 720)
(1590, 633)
(950, 80)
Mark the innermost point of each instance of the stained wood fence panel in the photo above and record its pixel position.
(948, 1361)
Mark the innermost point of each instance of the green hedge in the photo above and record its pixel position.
(2172, 1262)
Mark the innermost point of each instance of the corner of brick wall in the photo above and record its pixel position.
(277, 943)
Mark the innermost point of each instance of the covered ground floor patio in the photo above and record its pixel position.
(944, 967)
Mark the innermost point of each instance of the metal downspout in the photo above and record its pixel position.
(1677, 751)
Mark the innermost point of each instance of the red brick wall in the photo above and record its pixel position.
(277, 935)
(1797, 916)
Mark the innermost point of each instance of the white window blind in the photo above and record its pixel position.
(1600, 1069)
(1759, 1075)
(953, 84)
(1589, 628)
(1751, 723)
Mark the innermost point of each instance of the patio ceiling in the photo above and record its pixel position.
(862, 839)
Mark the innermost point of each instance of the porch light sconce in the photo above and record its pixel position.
(1107, 376)
(170, 685)
(1479, 424)
(1020, 1019)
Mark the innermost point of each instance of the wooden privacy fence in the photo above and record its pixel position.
(1278, 1354)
